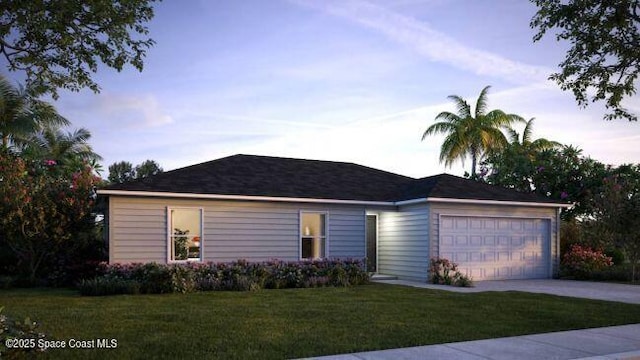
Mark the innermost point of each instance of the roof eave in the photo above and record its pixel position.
(240, 197)
(498, 202)
(327, 201)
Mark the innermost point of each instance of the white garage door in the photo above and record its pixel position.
(491, 248)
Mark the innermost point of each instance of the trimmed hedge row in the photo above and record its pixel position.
(241, 275)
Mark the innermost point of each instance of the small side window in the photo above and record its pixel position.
(185, 234)
(313, 235)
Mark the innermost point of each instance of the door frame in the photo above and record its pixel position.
(366, 238)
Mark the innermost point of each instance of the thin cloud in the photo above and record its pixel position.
(137, 110)
(428, 42)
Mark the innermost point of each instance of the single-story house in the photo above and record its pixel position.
(262, 208)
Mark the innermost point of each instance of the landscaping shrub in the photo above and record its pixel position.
(108, 286)
(617, 256)
(338, 276)
(18, 339)
(153, 278)
(445, 272)
(317, 281)
(581, 261)
(6, 281)
(621, 273)
(463, 280)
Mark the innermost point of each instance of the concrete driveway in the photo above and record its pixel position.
(616, 342)
(580, 289)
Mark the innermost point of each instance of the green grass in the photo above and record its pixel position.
(299, 322)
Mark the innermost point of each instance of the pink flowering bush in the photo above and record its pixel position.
(46, 219)
(445, 272)
(580, 261)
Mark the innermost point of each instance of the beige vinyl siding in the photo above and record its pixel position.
(144, 225)
(438, 209)
(403, 248)
(233, 230)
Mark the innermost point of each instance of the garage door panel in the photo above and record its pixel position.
(461, 257)
(497, 248)
(517, 272)
(530, 241)
(462, 240)
(461, 223)
(474, 272)
(446, 223)
(504, 225)
(535, 271)
(529, 225)
(502, 273)
(477, 224)
(489, 224)
(516, 225)
(517, 241)
(446, 255)
(504, 256)
(476, 256)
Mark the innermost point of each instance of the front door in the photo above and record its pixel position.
(372, 243)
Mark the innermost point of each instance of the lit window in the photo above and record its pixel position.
(313, 235)
(185, 234)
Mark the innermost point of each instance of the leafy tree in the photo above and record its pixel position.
(42, 210)
(618, 206)
(514, 165)
(124, 171)
(120, 172)
(58, 43)
(561, 174)
(147, 168)
(471, 133)
(22, 115)
(604, 53)
(513, 168)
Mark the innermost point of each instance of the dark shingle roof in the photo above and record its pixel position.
(252, 175)
(453, 187)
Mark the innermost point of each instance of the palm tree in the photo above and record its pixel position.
(22, 115)
(70, 149)
(471, 133)
(534, 146)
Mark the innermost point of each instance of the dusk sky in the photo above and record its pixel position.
(355, 81)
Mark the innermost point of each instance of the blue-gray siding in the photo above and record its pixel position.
(403, 242)
(233, 230)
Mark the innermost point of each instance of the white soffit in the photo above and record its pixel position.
(327, 201)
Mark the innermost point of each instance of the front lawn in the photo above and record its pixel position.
(292, 323)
